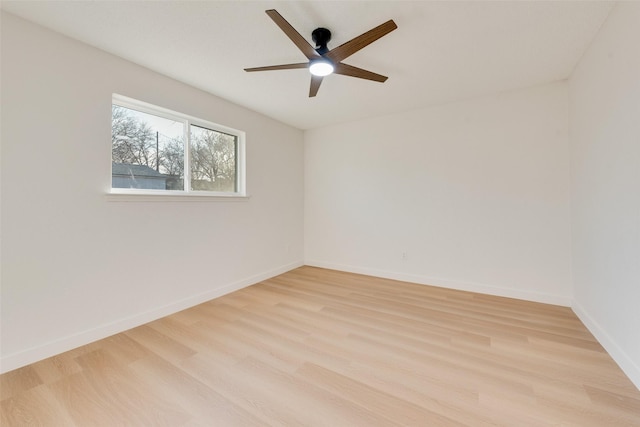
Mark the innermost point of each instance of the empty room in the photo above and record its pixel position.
(320, 213)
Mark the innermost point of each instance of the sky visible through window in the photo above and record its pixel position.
(166, 127)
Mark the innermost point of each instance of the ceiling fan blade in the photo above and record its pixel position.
(350, 70)
(352, 46)
(291, 32)
(279, 67)
(315, 85)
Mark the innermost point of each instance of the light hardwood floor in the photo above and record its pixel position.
(316, 347)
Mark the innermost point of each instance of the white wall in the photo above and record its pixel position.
(77, 266)
(475, 193)
(605, 191)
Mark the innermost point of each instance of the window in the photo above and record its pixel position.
(158, 151)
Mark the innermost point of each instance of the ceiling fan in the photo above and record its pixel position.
(323, 61)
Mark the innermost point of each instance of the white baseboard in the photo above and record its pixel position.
(450, 284)
(35, 354)
(628, 366)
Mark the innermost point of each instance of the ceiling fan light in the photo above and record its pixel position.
(321, 68)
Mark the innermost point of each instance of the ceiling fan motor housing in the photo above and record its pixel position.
(321, 37)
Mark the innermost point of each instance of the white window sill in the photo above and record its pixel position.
(170, 196)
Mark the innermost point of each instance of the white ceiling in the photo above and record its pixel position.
(442, 51)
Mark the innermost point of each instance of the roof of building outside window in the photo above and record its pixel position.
(126, 169)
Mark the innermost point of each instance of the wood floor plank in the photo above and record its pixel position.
(36, 406)
(373, 400)
(196, 398)
(318, 347)
(17, 381)
(107, 392)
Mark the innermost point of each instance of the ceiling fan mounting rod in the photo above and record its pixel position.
(321, 36)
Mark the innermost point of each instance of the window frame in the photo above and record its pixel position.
(187, 121)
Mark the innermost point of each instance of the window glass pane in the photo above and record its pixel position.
(213, 160)
(147, 151)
